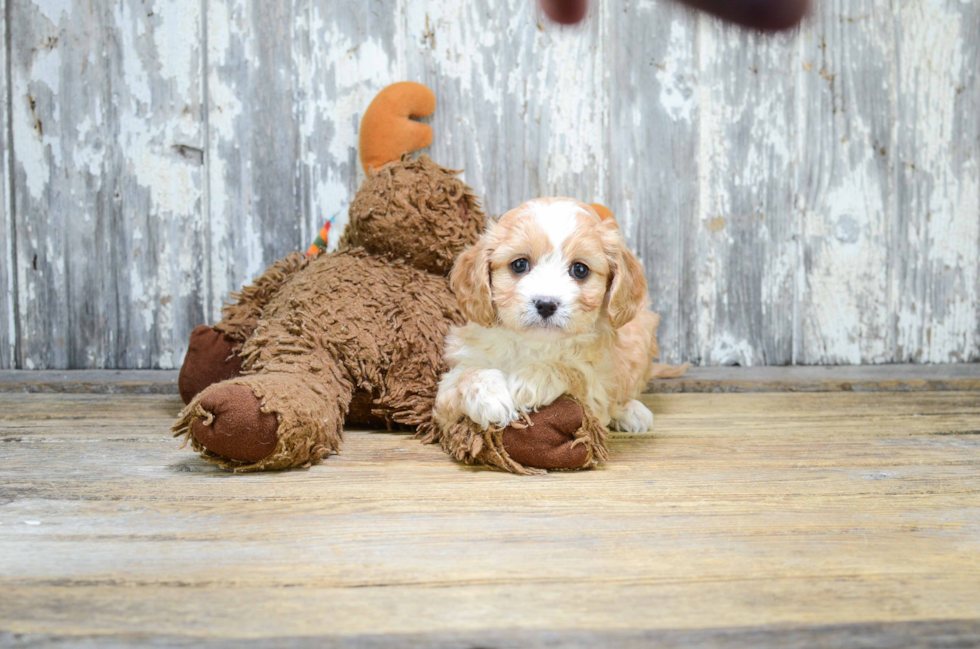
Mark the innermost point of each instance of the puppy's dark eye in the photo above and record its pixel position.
(520, 266)
(579, 270)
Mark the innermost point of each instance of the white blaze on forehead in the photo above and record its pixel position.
(558, 220)
(549, 276)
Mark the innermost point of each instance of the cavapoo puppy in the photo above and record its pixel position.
(556, 304)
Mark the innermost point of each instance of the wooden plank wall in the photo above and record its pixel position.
(8, 337)
(108, 181)
(811, 197)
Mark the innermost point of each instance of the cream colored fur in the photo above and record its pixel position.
(508, 359)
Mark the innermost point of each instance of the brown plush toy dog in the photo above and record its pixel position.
(356, 336)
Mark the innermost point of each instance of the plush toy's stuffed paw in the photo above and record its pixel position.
(234, 425)
(211, 358)
(563, 435)
(549, 442)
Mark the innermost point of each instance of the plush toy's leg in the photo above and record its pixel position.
(563, 435)
(212, 354)
(284, 416)
(211, 357)
(287, 409)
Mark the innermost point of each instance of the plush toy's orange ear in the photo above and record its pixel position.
(387, 130)
(604, 213)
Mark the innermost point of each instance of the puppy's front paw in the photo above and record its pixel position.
(492, 408)
(634, 418)
(534, 388)
(487, 401)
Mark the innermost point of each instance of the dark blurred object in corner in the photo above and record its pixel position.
(566, 12)
(764, 15)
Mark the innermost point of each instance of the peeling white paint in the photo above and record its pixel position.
(54, 10)
(677, 92)
(938, 309)
(8, 330)
(847, 284)
(746, 150)
(727, 350)
(177, 41)
(576, 112)
(99, 176)
(226, 109)
(33, 146)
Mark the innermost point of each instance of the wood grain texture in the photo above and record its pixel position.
(847, 185)
(937, 229)
(108, 181)
(963, 377)
(933, 634)
(746, 230)
(93, 381)
(254, 148)
(351, 51)
(653, 100)
(8, 329)
(890, 209)
(857, 378)
(522, 102)
(804, 198)
(768, 511)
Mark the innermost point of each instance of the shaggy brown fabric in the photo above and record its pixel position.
(211, 357)
(231, 424)
(350, 321)
(563, 435)
(239, 318)
(317, 332)
(361, 411)
(417, 211)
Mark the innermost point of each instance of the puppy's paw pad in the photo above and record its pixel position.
(635, 418)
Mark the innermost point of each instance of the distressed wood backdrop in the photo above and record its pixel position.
(811, 197)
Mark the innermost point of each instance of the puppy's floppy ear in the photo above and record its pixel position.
(604, 213)
(628, 285)
(470, 281)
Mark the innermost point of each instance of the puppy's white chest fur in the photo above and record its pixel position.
(538, 371)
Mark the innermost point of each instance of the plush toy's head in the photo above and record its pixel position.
(417, 211)
(409, 209)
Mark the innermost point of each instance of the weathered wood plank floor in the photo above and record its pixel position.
(761, 519)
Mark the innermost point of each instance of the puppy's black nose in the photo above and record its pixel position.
(546, 307)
